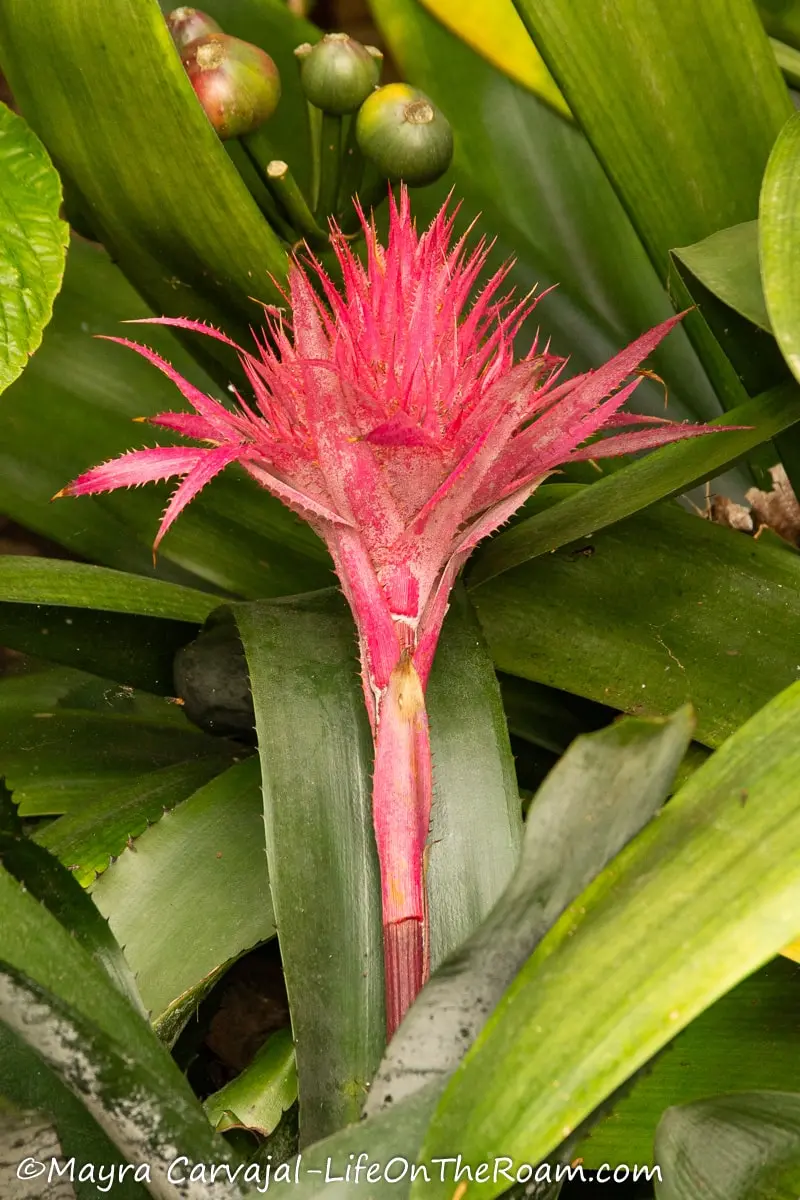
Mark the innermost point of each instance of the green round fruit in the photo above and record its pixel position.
(237, 84)
(188, 24)
(404, 134)
(338, 73)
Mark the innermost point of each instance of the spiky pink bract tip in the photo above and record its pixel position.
(390, 414)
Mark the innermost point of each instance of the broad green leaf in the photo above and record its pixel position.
(788, 59)
(38, 688)
(727, 264)
(56, 998)
(133, 651)
(661, 609)
(663, 473)
(680, 177)
(258, 1098)
(701, 898)
(33, 1088)
(310, 709)
(135, 144)
(746, 1041)
(541, 191)
(548, 718)
(781, 19)
(503, 41)
(73, 408)
(721, 284)
(51, 884)
(33, 241)
(316, 755)
(57, 760)
(393, 1136)
(90, 835)
(78, 585)
(779, 240)
(601, 793)
(199, 878)
(476, 823)
(742, 1147)
(141, 1101)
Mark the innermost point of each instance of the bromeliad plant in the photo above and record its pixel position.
(399, 400)
(393, 419)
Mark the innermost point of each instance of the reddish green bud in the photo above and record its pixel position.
(404, 134)
(338, 73)
(237, 84)
(188, 24)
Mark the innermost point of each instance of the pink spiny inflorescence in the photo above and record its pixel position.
(391, 415)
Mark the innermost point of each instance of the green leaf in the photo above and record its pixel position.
(310, 709)
(78, 585)
(663, 473)
(33, 241)
(145, 1107)
(503, 42)
(93, 833)
(788, 59)
(136, 652)
(746, 1041)
(651, 613)
(258, 1098)
(58, 760)
(680, 177)
(61, 1003)
(316, 756)
(744, 1147)
(702, 897)
(393, 1136)
(601, 793)
(55, 888)
(727, 264)
(73, 408)
(137, 147)
(513, 157)
(202, 867)
(781, 19)
(779, 233)
(476, 822)
(37, 689)
(33, 1089)
(548, 718)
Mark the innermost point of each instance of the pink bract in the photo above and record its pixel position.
(392, 417)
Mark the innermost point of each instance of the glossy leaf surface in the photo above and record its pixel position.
(601, 793)
(681, 179)
(702, 897)
(33, 241)
(661, 609)
(159, 189)
(663, 473)
(740, 1147)
(201, 867)
(746, 1041)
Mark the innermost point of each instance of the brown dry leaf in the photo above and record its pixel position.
(778, 509)
(723, 511)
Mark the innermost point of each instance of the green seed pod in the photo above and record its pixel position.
(188, 24)
(338, 73)
(237, 84)
(404, 134)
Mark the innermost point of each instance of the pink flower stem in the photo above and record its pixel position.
(401, 805)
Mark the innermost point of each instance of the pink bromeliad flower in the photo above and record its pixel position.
(392, 417)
